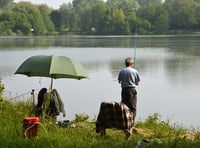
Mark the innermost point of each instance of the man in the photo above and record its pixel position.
(129, 79)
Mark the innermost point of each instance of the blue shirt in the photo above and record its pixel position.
(128, 77)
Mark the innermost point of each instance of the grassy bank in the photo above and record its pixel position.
(158, 133)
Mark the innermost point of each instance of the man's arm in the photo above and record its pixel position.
(137, 79)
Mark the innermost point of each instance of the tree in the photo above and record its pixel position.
(79, 3)
(162, 23)
(182, 14)
(45, 13)
(83, 3)
(143, 26)
(34, 17)
(132, 20)
(148, 12)
(67, 12)
(85, 21)
(113, 4)
(147, 2)
(56, 19)
(119, 25)
(100, 18)
(128, 6)
(3, 3)
(7, 16)
(22, 24)
(197, 27)
(84, 16)
(156, 15)
(5, 28)
(14, 22)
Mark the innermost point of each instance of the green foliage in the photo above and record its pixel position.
(68, 16)
(33, 15)
(12, 115)
(118, 24)
(55, 16)
(7, 23)
(25, 18)
(161, 23)
(3, 3)
(161, 129)
(83, 135)
(147, 2)
(23, 26)
(85, 19)
(183, 16)
(128, 6)
(1, 90)
(81, 117)
(98, 17)
(197, 27)
(49, 26)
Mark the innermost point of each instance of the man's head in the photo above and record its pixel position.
(129, 62)
(43, 91)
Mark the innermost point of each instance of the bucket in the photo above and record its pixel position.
(30, 127)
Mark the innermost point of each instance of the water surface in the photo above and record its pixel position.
(168, 65)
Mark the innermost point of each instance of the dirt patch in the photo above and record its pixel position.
(142, 132)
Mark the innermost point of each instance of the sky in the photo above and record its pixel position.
(51, 3)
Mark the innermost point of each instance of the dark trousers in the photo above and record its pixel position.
(129, 97)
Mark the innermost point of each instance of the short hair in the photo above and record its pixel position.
(128, 61)
(42, 91)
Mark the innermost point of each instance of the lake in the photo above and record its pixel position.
(169, 67)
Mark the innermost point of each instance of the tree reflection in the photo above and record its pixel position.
(178, 44)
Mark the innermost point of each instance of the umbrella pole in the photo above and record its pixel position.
(32, 93)
(51, 83)
(33, 97)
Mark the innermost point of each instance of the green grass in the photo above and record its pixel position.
(159, 133)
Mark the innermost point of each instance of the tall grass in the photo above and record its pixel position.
(159, 133)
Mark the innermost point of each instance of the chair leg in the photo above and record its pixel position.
(127, 133)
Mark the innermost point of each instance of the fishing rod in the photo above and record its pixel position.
(134, 58)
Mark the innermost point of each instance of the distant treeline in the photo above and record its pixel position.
(98, 17)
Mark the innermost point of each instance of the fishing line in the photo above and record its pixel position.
(40, 81)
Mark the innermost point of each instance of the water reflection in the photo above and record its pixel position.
(179, 43)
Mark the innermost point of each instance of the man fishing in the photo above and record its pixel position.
(129, 78)
(121, 115)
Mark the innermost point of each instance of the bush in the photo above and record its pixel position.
(1, 89)
(81, 117)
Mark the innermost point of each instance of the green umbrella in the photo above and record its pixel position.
(52, 66)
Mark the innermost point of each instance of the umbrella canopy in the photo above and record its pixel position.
(53, 67)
